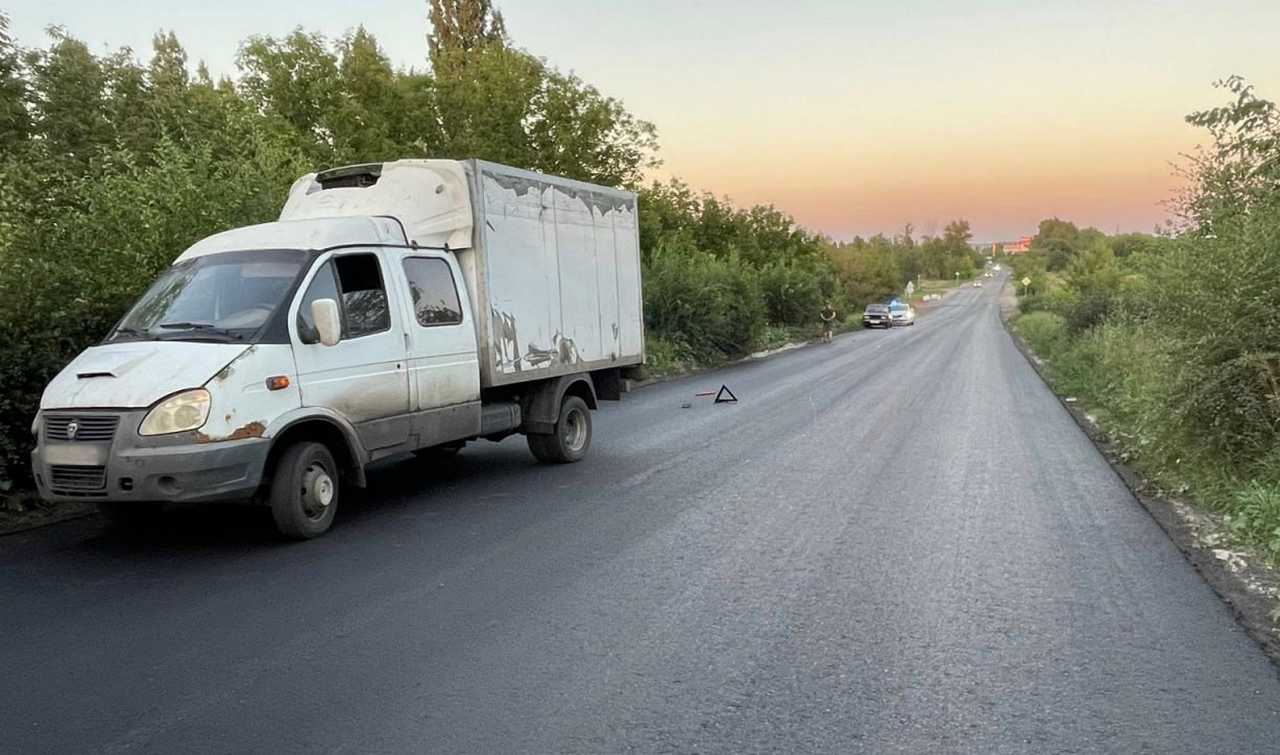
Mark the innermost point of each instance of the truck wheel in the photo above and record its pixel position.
(304, 491)
(572, 436)
(128, 515)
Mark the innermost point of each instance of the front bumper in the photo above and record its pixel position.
(130, 467)
(883, 322)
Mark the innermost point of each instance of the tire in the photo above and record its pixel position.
(129, 516)
(304, 491)
(572, 436)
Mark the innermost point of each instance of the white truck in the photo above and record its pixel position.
(406, 306)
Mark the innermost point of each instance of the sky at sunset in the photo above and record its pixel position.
(856, 117)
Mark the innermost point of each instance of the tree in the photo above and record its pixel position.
(1240, 169)
(1058, 241)
(294, 79)
(905, 239)
(461, 26)
(577, 131)
(15, 121)
(957, 233)
(375, 118)
(129, 104)
(69, 99)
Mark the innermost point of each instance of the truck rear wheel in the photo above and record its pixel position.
(304, 491)
(572, 436)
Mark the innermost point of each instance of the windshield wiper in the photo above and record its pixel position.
(187, 325)
(203, 327)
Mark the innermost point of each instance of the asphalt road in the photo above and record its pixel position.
(896, 542)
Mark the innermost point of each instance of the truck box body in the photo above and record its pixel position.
(552, 265)
(555, 274)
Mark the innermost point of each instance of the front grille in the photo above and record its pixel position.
(71, 480)
(89, 429)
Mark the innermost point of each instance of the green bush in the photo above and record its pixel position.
(1220, 299)
(72, 268)
(665, 356)
(793, 294)
(1045, 331)
(713, 305)
(1089, 309)
(1255, 518)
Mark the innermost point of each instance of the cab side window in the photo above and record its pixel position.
(435, 296)
(323, 286)
(364, 298)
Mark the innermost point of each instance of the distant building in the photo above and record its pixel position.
(1021, 246)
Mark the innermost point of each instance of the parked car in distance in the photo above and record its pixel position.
(977, 284)
(902, 313)
(877, 316)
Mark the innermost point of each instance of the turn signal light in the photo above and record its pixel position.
(278, 383)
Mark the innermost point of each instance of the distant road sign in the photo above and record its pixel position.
(1026, 281)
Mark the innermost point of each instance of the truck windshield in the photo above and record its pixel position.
(215, 297)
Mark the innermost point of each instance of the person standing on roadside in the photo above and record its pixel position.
(828, 316)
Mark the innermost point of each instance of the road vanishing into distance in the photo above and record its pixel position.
(899, 541)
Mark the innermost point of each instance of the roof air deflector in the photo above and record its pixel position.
(351, 176)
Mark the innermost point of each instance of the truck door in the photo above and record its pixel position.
(364, 377)
(444, 367)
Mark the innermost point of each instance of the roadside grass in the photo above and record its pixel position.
(1123, 373)
(929, 286)
(667, 357)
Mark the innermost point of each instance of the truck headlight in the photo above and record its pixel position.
(180, 412)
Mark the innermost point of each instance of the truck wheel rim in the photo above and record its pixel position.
(575, 430)
(317, 491)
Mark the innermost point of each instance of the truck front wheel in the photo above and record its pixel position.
(572, 436)
(304, 491)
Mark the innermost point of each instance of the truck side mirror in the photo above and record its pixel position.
(328, 325)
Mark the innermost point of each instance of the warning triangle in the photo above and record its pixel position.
(725, 396)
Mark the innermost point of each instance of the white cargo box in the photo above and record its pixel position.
(552, 265)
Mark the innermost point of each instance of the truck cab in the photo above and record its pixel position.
(272, 363)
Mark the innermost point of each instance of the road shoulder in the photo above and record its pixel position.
(1250, 589)
(19, 513)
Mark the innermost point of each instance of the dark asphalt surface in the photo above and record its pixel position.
(896, 542)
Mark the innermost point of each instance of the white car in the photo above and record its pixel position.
(901, 313)
(977, 284)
